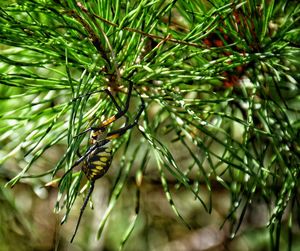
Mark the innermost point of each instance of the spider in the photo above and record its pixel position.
(97, 158)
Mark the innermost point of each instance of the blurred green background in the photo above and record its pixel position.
(225, 106)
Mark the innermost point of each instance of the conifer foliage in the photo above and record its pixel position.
(220, 84)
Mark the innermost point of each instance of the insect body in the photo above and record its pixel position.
(98, 157)
(98, 161)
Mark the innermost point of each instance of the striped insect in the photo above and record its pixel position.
(98, 157)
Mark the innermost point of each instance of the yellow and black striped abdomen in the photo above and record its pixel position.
(98, 162)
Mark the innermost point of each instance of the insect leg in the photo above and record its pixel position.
(83, 208)
(86, 95)
(82, 158)
(113, 118)
(118, 132)
(117, 105)
(113, 100)
(78, 153)
(121, 112)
